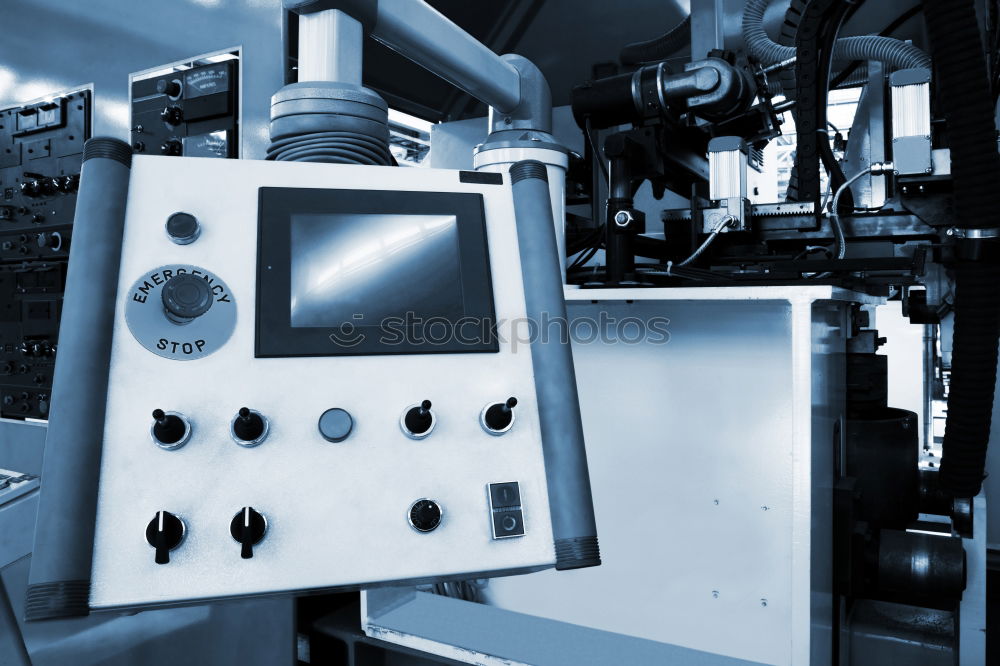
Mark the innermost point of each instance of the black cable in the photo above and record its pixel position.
(598, 155)
(885, 32)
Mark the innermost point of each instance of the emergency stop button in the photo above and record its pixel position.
(186, 297)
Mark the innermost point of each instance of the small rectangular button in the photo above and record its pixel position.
(505, 495)
(508, 523)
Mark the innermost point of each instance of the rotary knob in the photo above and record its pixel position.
(172, 115)
(186, 297)
(425, 515)
(248, 528)
(164, 533)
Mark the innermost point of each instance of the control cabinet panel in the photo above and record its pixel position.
(189, 109)
(314, 385)
(41, 149)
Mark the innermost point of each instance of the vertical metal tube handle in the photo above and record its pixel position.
(59, 583)
(570, 501)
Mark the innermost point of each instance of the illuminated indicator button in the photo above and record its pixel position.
(183, 228)
(425, 515)
(164, 533)
(335, 425)
(186, 297)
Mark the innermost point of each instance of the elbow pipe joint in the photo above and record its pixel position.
(534, 108)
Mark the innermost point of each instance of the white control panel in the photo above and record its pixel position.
(312, 385)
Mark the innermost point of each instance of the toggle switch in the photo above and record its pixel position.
(249, 427)
(425, 515)
(164, 533)
(418, 420)
(170, 430)
(498, 417)
(248, 528)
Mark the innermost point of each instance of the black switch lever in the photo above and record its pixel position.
(498, 417)
(164, 533)
(418, 420)
(248, 528)
(249, 427)
(170, 431)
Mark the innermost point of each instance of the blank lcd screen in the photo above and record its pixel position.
(366, 268)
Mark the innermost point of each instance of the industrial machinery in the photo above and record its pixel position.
(322, 374)
(41, 145)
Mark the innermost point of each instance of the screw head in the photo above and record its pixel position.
(623, 218)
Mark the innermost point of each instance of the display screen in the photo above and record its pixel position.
(361, 272)
(369, 268)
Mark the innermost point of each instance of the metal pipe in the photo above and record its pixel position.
(570, 502)
(419, 32)
(330, 47)
(59, 582)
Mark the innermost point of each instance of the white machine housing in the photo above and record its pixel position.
(336, 511)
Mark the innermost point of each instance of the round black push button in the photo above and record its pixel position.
(183, 228)
(335, 425)
(186, 297)
(425, 515)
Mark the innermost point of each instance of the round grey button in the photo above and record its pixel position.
(183, 228)
(335, 425)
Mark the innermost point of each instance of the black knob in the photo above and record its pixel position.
(171, 147)
(185, 297)
(31, 188)
(425, 515)
(499, 416)
(169, 431)
(171, 88)
(335, 425)
(183, 228)
(164, 533)
(248, 528)
(418, 420)
(172, 115)
(249, 427)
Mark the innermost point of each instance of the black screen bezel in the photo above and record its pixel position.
(275, 337)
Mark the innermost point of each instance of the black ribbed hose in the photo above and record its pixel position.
(659, 48)
(963, 87)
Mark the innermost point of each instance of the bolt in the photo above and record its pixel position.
(623, 218)
(715, 594)
(716, 502)
(507, 120)
(763, 602)
(763, 508)
(950, 231)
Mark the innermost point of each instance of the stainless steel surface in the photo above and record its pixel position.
(421, 33)
(972, 610)
(335, 511)
(330, 47)
(719, 539)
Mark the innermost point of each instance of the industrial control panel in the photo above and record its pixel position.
(41, 148)
(189, 109)
(313, 385)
